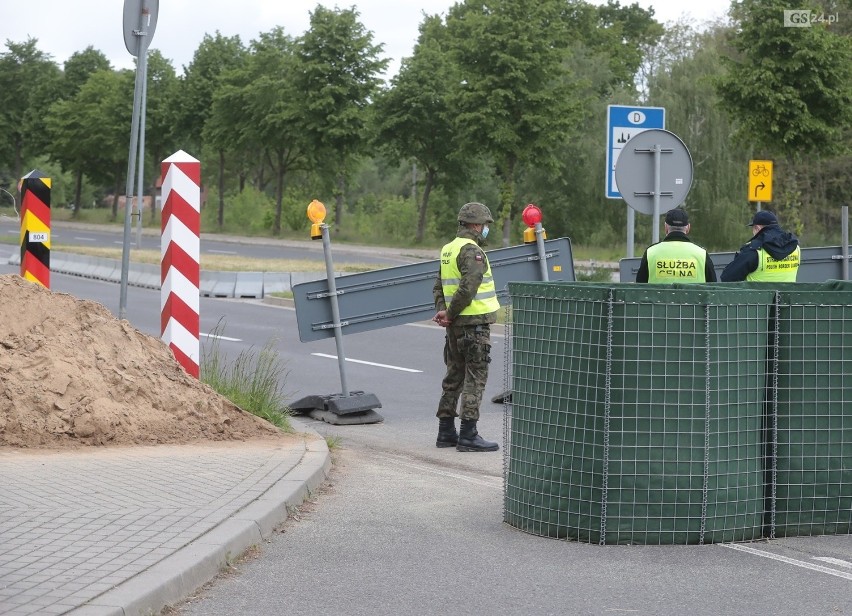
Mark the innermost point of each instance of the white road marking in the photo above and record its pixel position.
(834, 561)
(789, 561)
(85, 239)
(368, 363)
(489, 482)
(225, 338)
(222, 252)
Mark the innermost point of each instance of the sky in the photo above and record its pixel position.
(63, 27)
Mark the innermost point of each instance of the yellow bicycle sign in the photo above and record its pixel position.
(760, 180)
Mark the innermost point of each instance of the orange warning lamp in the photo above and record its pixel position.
(316, 214)
(532, 217)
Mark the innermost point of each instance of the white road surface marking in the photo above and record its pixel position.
(834, 561)
(368, 363)
(789, 561)
(223, 252)
(84, 239)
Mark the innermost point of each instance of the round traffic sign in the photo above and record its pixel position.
(635, 170)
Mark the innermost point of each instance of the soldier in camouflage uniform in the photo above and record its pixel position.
(466, 304)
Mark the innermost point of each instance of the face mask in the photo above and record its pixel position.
(484, 232)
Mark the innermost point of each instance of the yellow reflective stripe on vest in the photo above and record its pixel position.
(776, 270)
(485, 300)
(675, 261)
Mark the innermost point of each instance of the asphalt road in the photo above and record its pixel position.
(79, 234)
(404, 527)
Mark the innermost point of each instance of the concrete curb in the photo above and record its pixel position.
(180, 574)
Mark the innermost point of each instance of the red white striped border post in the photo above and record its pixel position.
(180, 269)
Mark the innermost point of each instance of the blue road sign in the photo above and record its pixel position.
(622, 123)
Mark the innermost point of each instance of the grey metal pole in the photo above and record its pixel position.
(658, 150)
(844, 232)
(542, 259)
(14, 202)
(131, 167)
(631, 230)
(140, 184)
(335, 308)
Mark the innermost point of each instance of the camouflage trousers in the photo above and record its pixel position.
(467, 353)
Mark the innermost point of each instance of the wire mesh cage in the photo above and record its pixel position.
(653, 415)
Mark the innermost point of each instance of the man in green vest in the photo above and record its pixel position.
(772, 255)
(677, 258)
(466, 304)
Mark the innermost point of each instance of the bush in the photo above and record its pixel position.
(253, 381)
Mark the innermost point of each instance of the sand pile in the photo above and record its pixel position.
(72, 374)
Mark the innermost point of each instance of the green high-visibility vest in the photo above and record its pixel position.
(676, 262)
(776, 270)
(485, 300)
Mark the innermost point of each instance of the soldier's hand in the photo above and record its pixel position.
(441, 318)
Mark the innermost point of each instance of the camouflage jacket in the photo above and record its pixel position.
(473, 263)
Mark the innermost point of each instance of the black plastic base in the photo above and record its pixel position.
(356, 408)
(364, 417)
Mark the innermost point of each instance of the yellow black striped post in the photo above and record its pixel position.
(35, 228)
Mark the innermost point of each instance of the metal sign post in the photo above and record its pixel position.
(335, 309)
(844, 232)
(347, 407)
(140, 21)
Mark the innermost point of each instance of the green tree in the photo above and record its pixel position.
(789, 89)
(29, 83)
(80, 66)
(89, 132)
(414, 118)
(161, 115)
(266, 107)
(516, 101)
(338, 76)
(685, 86)
(214, 56)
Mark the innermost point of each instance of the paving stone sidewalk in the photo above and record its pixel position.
(125, 531)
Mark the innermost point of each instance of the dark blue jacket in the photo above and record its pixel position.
(773, 239)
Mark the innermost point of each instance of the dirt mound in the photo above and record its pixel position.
(73, 374)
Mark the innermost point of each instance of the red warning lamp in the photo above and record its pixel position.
(316, 214)
(532, 217)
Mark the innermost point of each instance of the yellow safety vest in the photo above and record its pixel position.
(676, 262)
(485, 300)
(776, 270)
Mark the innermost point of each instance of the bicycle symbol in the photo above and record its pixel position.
(760, 170)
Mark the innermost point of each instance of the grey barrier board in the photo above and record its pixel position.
(817, 264)
(403, 294)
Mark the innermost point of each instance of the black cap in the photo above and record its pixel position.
(763, 217)
(677, 218)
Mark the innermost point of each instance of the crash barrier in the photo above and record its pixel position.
(679, 414)
(817, 264)
(213, 284)
(403, 294)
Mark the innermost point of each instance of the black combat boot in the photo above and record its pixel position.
(447, 435)
(469, 439)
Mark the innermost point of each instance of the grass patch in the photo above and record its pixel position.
(220, 263)
(595, 274)
(333, 442)
(253, 381)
